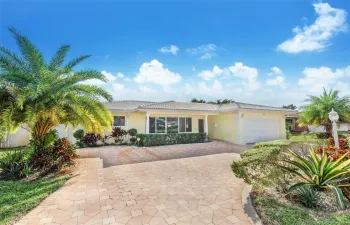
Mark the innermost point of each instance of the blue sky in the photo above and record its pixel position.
(266, 52)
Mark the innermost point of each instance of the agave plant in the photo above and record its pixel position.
(41, 95)
(319, 171)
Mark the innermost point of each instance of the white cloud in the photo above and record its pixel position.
(277, 81)
(315, 37)
(148, 90)
(249, 74)
(210, 74)
(154, 72)
(109, 76)
(118, 87)
(317, 78)
(172, 49)
(120, 75)
(275, 70)
(204, 51)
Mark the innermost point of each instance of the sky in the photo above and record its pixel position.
(271, 52)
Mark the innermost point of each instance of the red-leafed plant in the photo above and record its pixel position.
(118, 133)
(63, 151)
(333, 151)
(91, 139)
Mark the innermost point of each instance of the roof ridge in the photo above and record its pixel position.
(259, 105)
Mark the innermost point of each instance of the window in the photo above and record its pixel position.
(185, 124)
(119, 121)
(152, 125)
(172, 125)
(160, 125)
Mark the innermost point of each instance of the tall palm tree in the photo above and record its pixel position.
(43, 94)
(315, 112)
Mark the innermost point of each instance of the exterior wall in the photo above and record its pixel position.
(224, 127)
(135, 120)
(341, 127)
(20, 138)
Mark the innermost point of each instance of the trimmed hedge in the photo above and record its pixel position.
(171, 139)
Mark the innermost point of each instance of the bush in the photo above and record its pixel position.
(334, 152)
(79, 134)
(118, 133)
(90, 139)
(132, 132)
(308, 196)
(321, 135)
(170, 139)
(14, 164)
(64, 152)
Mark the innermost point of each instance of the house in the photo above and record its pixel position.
(238, 123)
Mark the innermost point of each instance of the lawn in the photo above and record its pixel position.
(301, 137)
(273, 212)
(19, 197)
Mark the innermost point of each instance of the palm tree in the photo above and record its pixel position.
(43, 95)
(318, 107)
(197, 100)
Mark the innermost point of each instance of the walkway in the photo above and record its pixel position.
(121, 155)
(197, 191)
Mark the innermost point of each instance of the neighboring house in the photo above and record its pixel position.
(236, 122)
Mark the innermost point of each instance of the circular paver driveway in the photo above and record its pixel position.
(197, 190)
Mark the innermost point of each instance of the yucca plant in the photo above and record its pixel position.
(319, 171)
(43, 95)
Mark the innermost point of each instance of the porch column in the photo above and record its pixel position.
(206, 124)
(147, 123)
(240, 128)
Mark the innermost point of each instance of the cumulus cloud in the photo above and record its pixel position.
(210, 74)
(171, 49)
(204, 51)
(249, 74)
(154, 72)
(316, 78)
(278, 79)
(315, 37)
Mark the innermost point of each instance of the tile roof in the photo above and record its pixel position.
(129, 106)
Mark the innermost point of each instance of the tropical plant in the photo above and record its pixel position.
(318, 171)
(43, 95)
(197, 100)
(118, 133)
(220, 102)
(308, 196)
(315, 112)
(91, 139)
(15, 164)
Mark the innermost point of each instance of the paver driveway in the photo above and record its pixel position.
(197, 190)
(120, 155)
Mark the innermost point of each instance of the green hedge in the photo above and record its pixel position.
(171, 139)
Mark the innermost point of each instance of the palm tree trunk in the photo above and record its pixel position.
(42, 128)
(328, 127)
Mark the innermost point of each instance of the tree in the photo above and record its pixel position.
(43, 95)
(318, 107)
(290, 106)
(197, 100)
(220, 102)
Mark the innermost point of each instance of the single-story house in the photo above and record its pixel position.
(238, 123)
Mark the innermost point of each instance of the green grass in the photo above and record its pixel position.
(300, 137)
(19, 197)
(273, 212)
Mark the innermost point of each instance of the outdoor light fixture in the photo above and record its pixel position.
(334, 117)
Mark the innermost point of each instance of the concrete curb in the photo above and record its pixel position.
(248, 206)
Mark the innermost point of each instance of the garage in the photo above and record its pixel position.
(259, 128)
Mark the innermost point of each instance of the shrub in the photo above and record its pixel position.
(334, 152)
(118, 133)
(14, 164)
(170, 139)
(322, 135)
(308, 196)
(132, 132)
(63, 151)
(79, 134)
(91, 139)
(318, 172)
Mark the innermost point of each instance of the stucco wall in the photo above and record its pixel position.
(224, 127)
(135, 120)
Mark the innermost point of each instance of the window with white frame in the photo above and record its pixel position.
(119, 121)
(162, 125)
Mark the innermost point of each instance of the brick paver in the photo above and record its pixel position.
(120, 155)
(197, 190)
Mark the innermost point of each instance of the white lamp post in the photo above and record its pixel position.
(333, 117)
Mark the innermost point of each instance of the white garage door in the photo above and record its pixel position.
(261, 128)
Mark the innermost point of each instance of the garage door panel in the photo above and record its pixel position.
(261, 128)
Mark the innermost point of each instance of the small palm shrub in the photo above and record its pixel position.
(308, 196)
(15, 164)
(318, 171)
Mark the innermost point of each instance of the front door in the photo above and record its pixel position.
(200, 125)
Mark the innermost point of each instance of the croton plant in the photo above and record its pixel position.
(334, 152)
